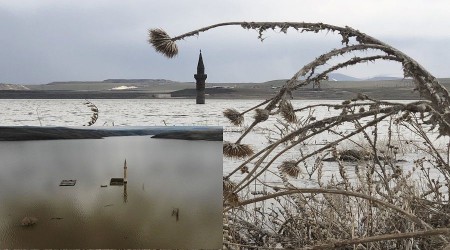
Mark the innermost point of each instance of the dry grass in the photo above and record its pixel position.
(383, 206)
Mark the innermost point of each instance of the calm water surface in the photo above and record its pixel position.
(163, 175)
(160, 112)
(140, 112)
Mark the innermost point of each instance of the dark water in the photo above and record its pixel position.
(163, 175)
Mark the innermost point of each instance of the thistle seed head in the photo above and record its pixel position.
(236, 150)
(261, 115)
(234, 116)
(290, 168)
(162, 42)
(228, 185)
(287, 111)
(362, 97)
(232, 199)
(244, 170)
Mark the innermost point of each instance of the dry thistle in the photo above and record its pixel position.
(290, 168)
(232, 199)
(228, 185)
(236, 150)
(162, 42)
(362, 97)
(234, 116)
(428, 87)
(94, 109)
(261, 115)
(287, 111)
(352, 155)
(244, 170)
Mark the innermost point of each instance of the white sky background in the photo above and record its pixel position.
(61, 40)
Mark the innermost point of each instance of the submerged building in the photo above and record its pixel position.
(200, 79)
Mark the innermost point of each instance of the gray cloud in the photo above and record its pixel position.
(48, 40)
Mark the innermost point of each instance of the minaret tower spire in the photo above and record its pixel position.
(200, 78)
(125, 180)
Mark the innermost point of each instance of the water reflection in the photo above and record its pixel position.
(125, 194)
(161, 175)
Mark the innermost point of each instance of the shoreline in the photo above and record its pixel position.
(236, 94)
(31, 133)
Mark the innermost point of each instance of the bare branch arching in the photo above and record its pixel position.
(319, 217)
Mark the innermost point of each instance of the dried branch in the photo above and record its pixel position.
(410, 216)
(94, 110)
(301, 218)
(396, 236)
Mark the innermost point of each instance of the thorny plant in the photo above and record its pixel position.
(94, 110)
(373, 198)
(90, 105)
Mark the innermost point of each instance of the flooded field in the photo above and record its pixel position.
(172, 198)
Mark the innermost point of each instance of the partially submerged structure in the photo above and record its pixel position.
(120, 181)
(200, 79)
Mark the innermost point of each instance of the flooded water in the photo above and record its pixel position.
(165, 178)
(159, 112)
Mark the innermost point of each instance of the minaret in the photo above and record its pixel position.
(125, 171)
(200, 78)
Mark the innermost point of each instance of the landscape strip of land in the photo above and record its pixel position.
(378, 88)
(27, 133)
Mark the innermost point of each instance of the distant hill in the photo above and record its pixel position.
(332, 77)
(159, 88)
(346, 78)
(338, 77)
(384, 78)
(341, 77)
(152, 85)
(121, 81)
(150, 81)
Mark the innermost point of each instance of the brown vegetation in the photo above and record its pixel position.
(384, 205)
(94, 110)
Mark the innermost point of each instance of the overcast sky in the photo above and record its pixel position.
(57, 40)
